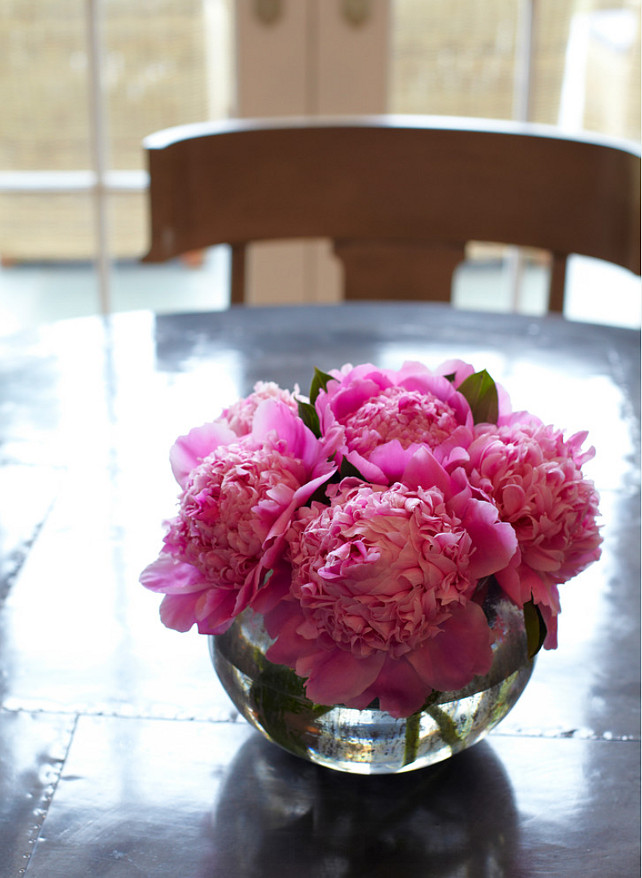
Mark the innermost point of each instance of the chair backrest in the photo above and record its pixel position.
(400, 196)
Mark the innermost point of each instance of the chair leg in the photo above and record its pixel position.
(558, 284)
(237, 292)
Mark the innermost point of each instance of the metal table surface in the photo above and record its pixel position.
(120, 755)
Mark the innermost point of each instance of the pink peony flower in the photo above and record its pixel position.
(239, 416)
(383, 580)
(373, 589)
(377, 418)
(234, 510)
(236, 421)
(533, 475)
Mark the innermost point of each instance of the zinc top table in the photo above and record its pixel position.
(120, 755)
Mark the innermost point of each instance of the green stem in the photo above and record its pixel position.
(411, 738)
(446, 726)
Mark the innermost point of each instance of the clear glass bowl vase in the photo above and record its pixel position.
(272, 698)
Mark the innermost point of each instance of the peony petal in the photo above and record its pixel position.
(550, 620)
(169, 576)
(423, 470)
(354, 390)
(216, 611)
(298, 499)
(283, 622)
(513, 500)
(370, 471)
(336, 676)
(190, 450)
(274, 590)
(391, 459)
(177, 611)
(210, 609)
(460, 369)
(456, 655)
(514, 580)
(545, 593)
(399, 688)
(495, 541)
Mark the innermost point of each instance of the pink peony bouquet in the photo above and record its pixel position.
(364, 522)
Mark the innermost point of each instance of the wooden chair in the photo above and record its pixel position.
(400, 196)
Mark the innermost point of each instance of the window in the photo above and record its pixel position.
(81, 84)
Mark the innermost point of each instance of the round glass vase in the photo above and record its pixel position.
(272, 698)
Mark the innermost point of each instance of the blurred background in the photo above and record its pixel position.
(82, 83)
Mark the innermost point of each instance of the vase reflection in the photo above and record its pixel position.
(279, 815)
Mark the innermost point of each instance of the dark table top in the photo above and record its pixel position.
(120, 754)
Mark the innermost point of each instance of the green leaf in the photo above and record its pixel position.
(535, 628)
(309, 416)
(481, 393)
(348, 470)
(319, 382)
(282, 708)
